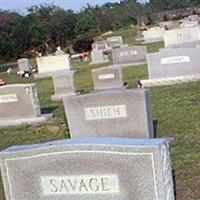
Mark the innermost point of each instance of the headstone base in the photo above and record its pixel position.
(170, 81)
(34, 120)
(102, 62)
(125, 65)
(50, 74)
(153, 40)
(60, 97)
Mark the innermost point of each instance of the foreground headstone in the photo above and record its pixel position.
(64, 85)
(115, 41)
(128, 56)
(171, 66)
(49, 66)
(107, 78)
(88, 169)
(24, 65)
(98, 57)
(116, 113)
(19, 104)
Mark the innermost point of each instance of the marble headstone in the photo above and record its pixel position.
(19, 104)
(98, 57)
(152, 35)
(88, 169)
(115, 41)
(52, 65)
(24, 65)
(107, 78)
(64, 85)
(111, 113)
(182, 35)
(132, 55)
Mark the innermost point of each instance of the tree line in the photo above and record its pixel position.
(49, 25)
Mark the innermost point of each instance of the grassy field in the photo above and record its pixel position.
(176, 109)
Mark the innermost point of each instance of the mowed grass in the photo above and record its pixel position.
(176, 109)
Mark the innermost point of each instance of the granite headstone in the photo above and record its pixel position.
(107, 78)
(115, 41)
(98, 57)
(112, 113)
(131, 55)
(64, 85)
(19, 104)
(107, 168)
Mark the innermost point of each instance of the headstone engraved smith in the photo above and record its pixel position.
(88, 169)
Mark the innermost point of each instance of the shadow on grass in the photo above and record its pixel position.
(155, 127)
(48, 110)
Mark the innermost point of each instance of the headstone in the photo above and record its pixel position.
(115, 41)
(127, 56)
(19, 104)
(182, 35)
(24, 65)
(170, 66)
(51, 65)
(152, 35)
(98, 57)
(107, 168)
(107, 78)
(100, 45)
(189, 24)
(112, 113)
(194, 18)
(64, 85)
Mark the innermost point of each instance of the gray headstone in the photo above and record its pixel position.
(120, 169)
(115, 41)
(107, 78)
(98, 57)
(24, 65)
(173, 63)
(131, 55)
(100, 45)
(64, 85)
(169, 25)
(19, 104)
(116, 113)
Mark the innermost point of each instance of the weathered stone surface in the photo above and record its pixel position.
(99, 57)
(129, 55)
(182, 35)
(64, 85)
(107, 78)
(19, 104)
(88, 169)
(115, 41)
(100, 45)
(170, 63)
(116, 113)
(51, 65)
(24, 65)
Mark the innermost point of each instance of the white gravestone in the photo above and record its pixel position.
(52, 65)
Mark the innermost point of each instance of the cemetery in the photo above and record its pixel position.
(121, 123)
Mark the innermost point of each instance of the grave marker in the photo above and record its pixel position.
(98, 168)
(116, 113)
(19, 104)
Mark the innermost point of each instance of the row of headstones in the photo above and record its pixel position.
(172, 32)
(107, 165)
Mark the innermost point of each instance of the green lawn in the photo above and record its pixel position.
(176, 109)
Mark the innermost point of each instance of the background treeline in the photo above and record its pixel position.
(50, 26)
